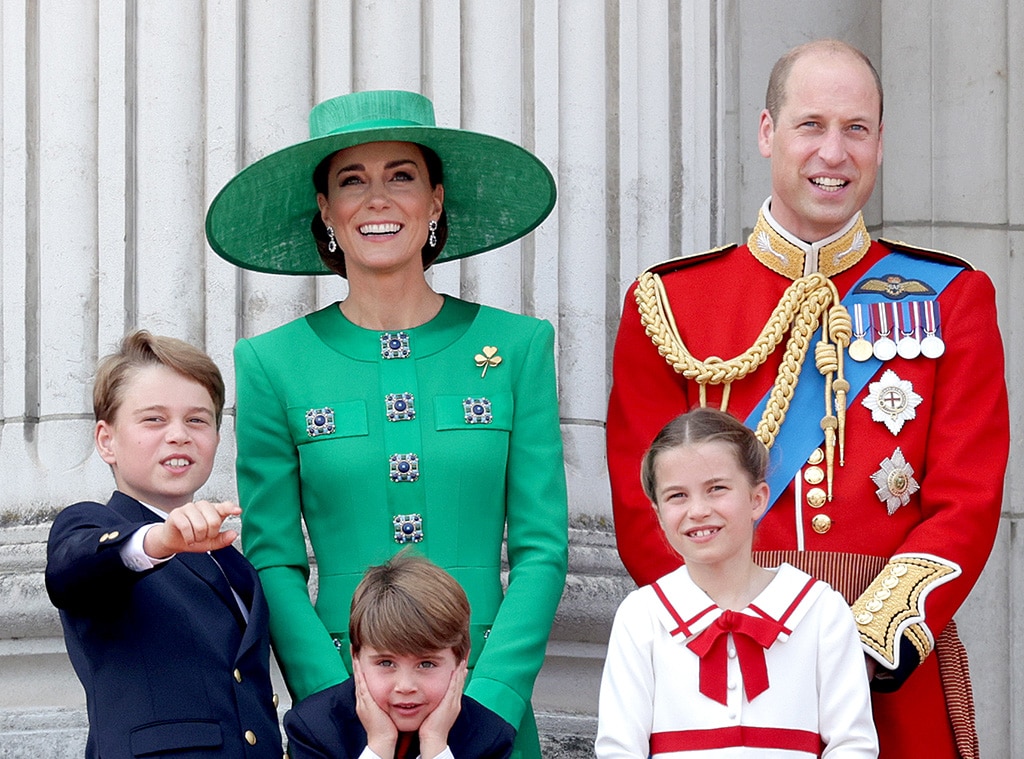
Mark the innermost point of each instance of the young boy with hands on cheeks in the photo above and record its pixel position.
(165, 622)
(409, 631)
(722, 657)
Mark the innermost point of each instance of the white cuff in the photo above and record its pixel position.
(134, 555)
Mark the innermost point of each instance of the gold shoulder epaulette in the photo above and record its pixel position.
(935, 255)
(688, 260)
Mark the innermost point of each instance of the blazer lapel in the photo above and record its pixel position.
(218, 573)
(239, 574)
(207, 569)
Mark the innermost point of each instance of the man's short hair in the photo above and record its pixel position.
(409, 605)
(140, 349)
(775, 97)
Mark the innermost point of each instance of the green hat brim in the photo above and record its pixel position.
(495, 192)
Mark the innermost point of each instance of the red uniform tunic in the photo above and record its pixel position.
(955, 446)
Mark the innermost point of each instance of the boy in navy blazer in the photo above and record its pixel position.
(165, 622)
(409, 631)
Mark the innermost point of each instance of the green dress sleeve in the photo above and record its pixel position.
(272, 538)
(537, 524)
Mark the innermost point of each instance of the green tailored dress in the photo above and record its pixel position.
(437, 437)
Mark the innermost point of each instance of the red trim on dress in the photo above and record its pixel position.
(782, 738)
(682, 626)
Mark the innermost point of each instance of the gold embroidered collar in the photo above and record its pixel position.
(789, 256)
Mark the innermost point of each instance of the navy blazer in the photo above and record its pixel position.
(325, 726)
(166, 659)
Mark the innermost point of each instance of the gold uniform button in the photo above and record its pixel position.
(890, 582)
(865, 618)
(821, 523)
(276, 701)
(238, 676)
(250, 737)
(814, 475)
(816, 498)
(883, 594)
(817, 457)
(898, 570)
(873, 605)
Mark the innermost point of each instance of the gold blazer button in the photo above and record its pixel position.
(816, 497)
(821, 523)
(814, 475)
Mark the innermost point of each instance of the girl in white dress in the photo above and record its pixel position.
(723, 658)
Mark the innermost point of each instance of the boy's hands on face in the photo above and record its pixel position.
(381, 733)
(192, 528)
(435, 728)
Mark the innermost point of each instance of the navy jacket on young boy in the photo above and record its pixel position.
(168, 662)
(325, 726)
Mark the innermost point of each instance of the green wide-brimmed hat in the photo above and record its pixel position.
(494, 191)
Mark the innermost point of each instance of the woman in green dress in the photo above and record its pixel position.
(398, 416)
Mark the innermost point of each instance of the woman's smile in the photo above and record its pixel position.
(380, 203)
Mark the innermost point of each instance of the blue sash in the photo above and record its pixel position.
(801, 432)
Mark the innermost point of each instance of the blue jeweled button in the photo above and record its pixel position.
(320, 421)
(405, 467)
(401, 407)
(408, 528)
(478, 411)
(394, 345)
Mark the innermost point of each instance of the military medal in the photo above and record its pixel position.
(860, 349)
(932, 345)
(885, 347)
(895, 482)
(909, 329)
(892, 401)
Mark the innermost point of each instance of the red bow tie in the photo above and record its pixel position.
(751, 635)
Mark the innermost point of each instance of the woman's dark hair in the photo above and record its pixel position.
(705, 425)
(336, 261)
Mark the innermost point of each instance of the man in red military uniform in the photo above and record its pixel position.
(872, 370)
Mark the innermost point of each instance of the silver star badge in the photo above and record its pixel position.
(895, 481)
(892, 401)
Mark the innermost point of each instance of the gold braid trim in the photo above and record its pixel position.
(807, 302)
(850, 574)
(893, 605)
(919, 636)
